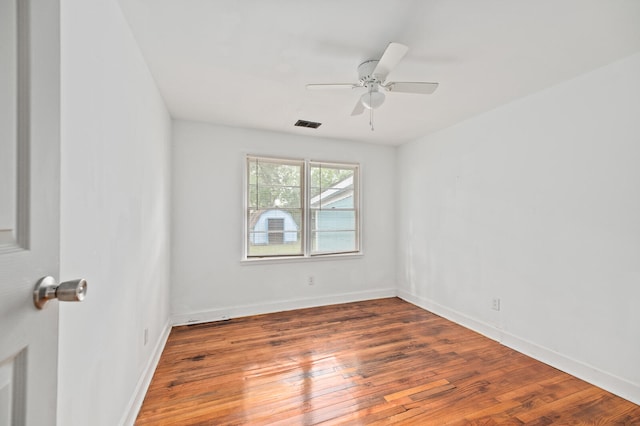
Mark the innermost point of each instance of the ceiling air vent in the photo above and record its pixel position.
(304, 123)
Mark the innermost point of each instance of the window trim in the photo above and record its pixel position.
(306, 211)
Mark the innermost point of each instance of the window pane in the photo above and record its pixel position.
(331, 186)
(253, 171)
(277, 197)
(274, 232)
(274, 183)
(314, 181)
(279, 174)
(333, 220)
(333, 242)
(333, 231)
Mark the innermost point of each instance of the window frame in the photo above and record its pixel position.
(306, 228)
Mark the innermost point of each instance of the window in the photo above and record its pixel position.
(332, 207)
(275, 198)
(301, 208)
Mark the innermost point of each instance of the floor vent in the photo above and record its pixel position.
(304, 123)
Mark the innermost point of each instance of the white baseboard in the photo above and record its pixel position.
(142, 386)
(621, 387)
(278, 306)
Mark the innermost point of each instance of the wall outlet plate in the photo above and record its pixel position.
(495, 304)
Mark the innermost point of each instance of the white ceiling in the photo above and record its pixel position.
(245, 63)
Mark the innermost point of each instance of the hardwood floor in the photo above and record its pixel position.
(375, 362)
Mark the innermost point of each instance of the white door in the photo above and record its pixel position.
(29, 207)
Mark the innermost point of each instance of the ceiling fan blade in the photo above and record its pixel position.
(392, 55)
(419, 87)
(358, 109)
(331, 86)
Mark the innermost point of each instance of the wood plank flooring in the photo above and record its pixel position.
(376, 362)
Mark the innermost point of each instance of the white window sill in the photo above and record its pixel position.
(293, 259)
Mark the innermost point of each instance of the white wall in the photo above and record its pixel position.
(208, 280)
(115, 215)
(537, 203)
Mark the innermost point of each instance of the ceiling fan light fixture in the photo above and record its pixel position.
(372, 99)
(372, 75)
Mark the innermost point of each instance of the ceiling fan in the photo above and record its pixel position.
(372, 75)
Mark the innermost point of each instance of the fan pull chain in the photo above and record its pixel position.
(371, 118)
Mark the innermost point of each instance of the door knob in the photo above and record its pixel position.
(68, 291)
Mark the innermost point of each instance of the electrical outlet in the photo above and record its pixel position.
(311, 280)
(495, 304)
(146, 336)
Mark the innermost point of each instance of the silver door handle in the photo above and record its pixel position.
(68, 291)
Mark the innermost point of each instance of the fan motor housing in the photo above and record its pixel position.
(365, 71)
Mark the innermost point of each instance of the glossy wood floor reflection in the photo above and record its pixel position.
(376, 362)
